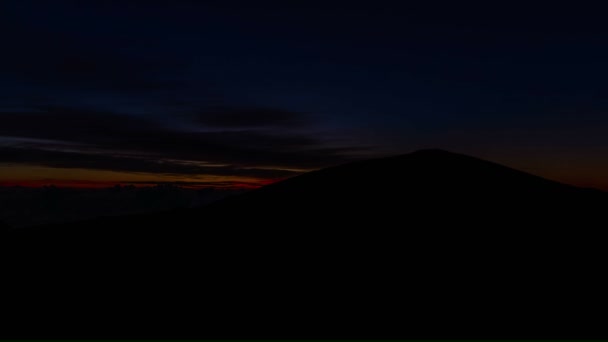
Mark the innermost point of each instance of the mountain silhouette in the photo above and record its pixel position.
(428, 244)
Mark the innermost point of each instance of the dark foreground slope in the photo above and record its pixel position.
(430, 244)
(4, 227)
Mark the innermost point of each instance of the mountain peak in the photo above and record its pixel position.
(417, 220)
(432, 155)
(432, 151)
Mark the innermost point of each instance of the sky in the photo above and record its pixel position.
(244, 93)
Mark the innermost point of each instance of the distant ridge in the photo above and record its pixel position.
(424, 181)
(430, 244)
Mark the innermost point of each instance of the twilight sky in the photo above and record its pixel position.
(242, 93)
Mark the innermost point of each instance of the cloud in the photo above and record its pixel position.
(60, 159)
(96, 70)
(235, 117)
(70, 124)
(66, 137)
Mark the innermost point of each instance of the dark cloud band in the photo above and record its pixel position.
(76, 138)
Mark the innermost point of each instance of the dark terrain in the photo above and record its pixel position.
(24, 206)
(429, 244)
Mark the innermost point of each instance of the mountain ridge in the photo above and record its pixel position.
(315, 256)
(423, 180)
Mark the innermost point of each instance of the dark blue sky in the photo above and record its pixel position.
(254, 90)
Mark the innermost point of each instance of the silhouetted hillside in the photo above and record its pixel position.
(429, 244)
(433, 183)
(4, 227)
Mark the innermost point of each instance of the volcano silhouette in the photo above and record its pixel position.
(428, 244)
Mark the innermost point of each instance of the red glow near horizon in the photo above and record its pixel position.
(79, 184)
(59, 184)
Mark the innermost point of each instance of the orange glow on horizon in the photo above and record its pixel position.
(79, 184)
(57, 183)
(38, 176)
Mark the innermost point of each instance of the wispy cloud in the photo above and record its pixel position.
(65, 137)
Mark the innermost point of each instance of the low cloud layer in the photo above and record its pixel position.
(248, 142)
